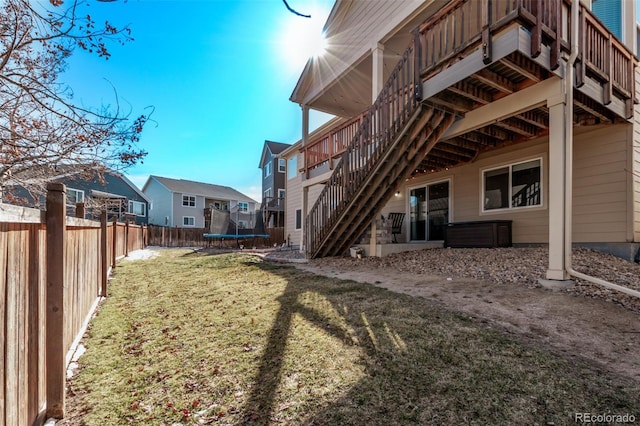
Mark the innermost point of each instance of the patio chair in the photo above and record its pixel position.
(396, 224)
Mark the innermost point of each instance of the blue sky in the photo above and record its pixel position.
(219, 74)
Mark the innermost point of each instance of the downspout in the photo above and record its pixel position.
(568, 168)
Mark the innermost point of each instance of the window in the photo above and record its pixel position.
(242, 224)
(137, 208)
(267, 169)
(189, 200)
(281, 193)
(267, 193)
(75, 196)
(188, 221)
(298, 219)
(282, 165)
(292, 167)
(243, 207)
(513, 186)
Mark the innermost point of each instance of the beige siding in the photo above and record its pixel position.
(357, 27)
(635, 167)
(600, 190)
(293, 201)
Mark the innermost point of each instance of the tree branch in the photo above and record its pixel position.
(295, 12)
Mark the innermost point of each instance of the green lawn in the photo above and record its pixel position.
(229, 339)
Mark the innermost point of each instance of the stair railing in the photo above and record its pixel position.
(380, 127)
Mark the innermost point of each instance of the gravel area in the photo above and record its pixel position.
(514, 266)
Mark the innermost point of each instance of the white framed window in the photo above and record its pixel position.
(267, 193)
(75, 196)
(513, 186)
(243, 207)
(281, 194)
(137, 208)
(267, 169)
(243, 224)
(292, 167)
(299, 219)
(282, 165)
(188, 201)
(188, 221)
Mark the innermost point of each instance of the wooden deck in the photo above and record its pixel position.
(486, 59)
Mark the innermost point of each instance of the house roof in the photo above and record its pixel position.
(207, 190)
(71, 171)
(274, 147)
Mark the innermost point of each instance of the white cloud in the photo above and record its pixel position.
(253, 191)
(138, 180)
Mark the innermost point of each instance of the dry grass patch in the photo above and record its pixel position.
(229, 339)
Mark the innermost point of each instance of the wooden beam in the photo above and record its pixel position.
(534, 118)
(528, 72)
(513, 126)
(471, 92)
(508, 106)
(495, 81)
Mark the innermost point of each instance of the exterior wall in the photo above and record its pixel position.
(601, 192)
(268, 181)
(181, 211)
(362, 25)
(293, 201)
(635, 166)
(601, 198)
(160, 203)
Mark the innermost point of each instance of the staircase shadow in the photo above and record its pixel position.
(421, 364)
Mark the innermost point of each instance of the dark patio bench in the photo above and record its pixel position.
(479, 233)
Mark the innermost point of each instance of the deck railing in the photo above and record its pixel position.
(463, 25)
(325, 148)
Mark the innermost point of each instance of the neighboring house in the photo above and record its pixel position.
(450, 112)
(188, 204)
(113, 193)
(273, 183)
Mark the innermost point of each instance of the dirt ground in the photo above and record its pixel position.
(602, 333)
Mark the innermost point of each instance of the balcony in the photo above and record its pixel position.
(473, 53)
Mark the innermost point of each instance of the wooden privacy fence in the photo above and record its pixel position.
(53, 269)
(164, 236)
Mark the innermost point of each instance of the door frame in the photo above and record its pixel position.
(425, 185)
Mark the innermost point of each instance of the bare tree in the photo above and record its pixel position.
(295, 12)
(40, 124)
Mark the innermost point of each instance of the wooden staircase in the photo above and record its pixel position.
(394, 137)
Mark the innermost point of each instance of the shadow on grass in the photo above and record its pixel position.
(422, 365)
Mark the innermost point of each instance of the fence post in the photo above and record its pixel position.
(80, 210)
(54, 347)
(126, 238)
(114, 244)
(104, 250)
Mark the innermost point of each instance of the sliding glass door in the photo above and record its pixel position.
(429, 211)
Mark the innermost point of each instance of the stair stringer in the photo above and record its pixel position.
(418, 137)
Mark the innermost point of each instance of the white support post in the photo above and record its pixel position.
(305, 124)
(557, 188)
(377, 83)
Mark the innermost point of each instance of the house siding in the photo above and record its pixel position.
(293, 201)
(363, 24)
(600, 190)
(635, 166)
(181, 211)
(160, 203)
(600, 193)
